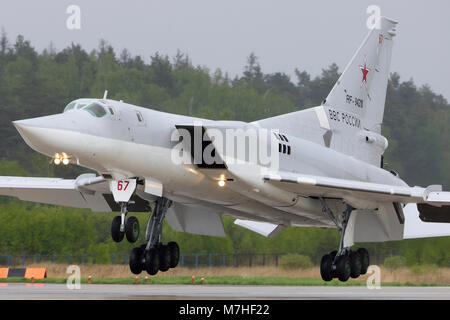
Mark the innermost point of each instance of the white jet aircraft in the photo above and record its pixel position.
(319, 167)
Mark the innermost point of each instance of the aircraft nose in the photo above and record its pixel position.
(22, 125)
(28, 129)
(43, 134)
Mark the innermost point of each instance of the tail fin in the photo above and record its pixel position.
(361, 89)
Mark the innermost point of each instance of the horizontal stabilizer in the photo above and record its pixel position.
(265, 229)
(438, 197)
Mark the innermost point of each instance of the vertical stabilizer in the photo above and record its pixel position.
(361, 89)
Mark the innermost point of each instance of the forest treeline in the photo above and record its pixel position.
(34, 84)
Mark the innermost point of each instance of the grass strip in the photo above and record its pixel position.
(227, 280)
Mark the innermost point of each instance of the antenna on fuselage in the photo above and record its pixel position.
(105, 95)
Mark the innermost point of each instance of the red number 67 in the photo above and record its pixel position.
(122, 185)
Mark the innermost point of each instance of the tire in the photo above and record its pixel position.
(136, 265)
(333, 256)
(152, 261)
(343, 268)
(326, 265)
(174, 250)
(132, 229)
(355, 264)
(116, 235)
(164, 258)
(365, 261)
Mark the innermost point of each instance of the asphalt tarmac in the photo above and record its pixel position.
(24, 291)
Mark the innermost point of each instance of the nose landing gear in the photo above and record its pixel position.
(122, 191)
(121, 226)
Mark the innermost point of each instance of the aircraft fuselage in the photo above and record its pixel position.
(131, 141)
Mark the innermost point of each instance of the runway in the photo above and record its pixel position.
(23, 291)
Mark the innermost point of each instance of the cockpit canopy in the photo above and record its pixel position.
(95, 107)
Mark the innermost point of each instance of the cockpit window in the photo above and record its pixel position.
(70, 106)
(77, 104)
(93, 106)
(81, 105)
(96, 110)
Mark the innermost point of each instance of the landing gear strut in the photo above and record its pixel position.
(343, 263)
(154, 256)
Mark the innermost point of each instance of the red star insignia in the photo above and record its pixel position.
(365, 71)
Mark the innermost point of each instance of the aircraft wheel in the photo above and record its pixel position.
(326, 265)
(116, 235)
(152, 261)
(136, 265)
(365, 261)
(343, 268)
(164, 258)
(174, 250)
(355, 264)
(132, 229)
(333, 256)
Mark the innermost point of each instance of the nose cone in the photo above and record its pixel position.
(25, 125)
(44, 134)
(30, 130)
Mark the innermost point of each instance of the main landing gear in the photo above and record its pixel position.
(154, 256)
(343, 263)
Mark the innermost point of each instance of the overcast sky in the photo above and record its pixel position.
(285, 35)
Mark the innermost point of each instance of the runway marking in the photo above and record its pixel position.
(35, 285)
(98, 291)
